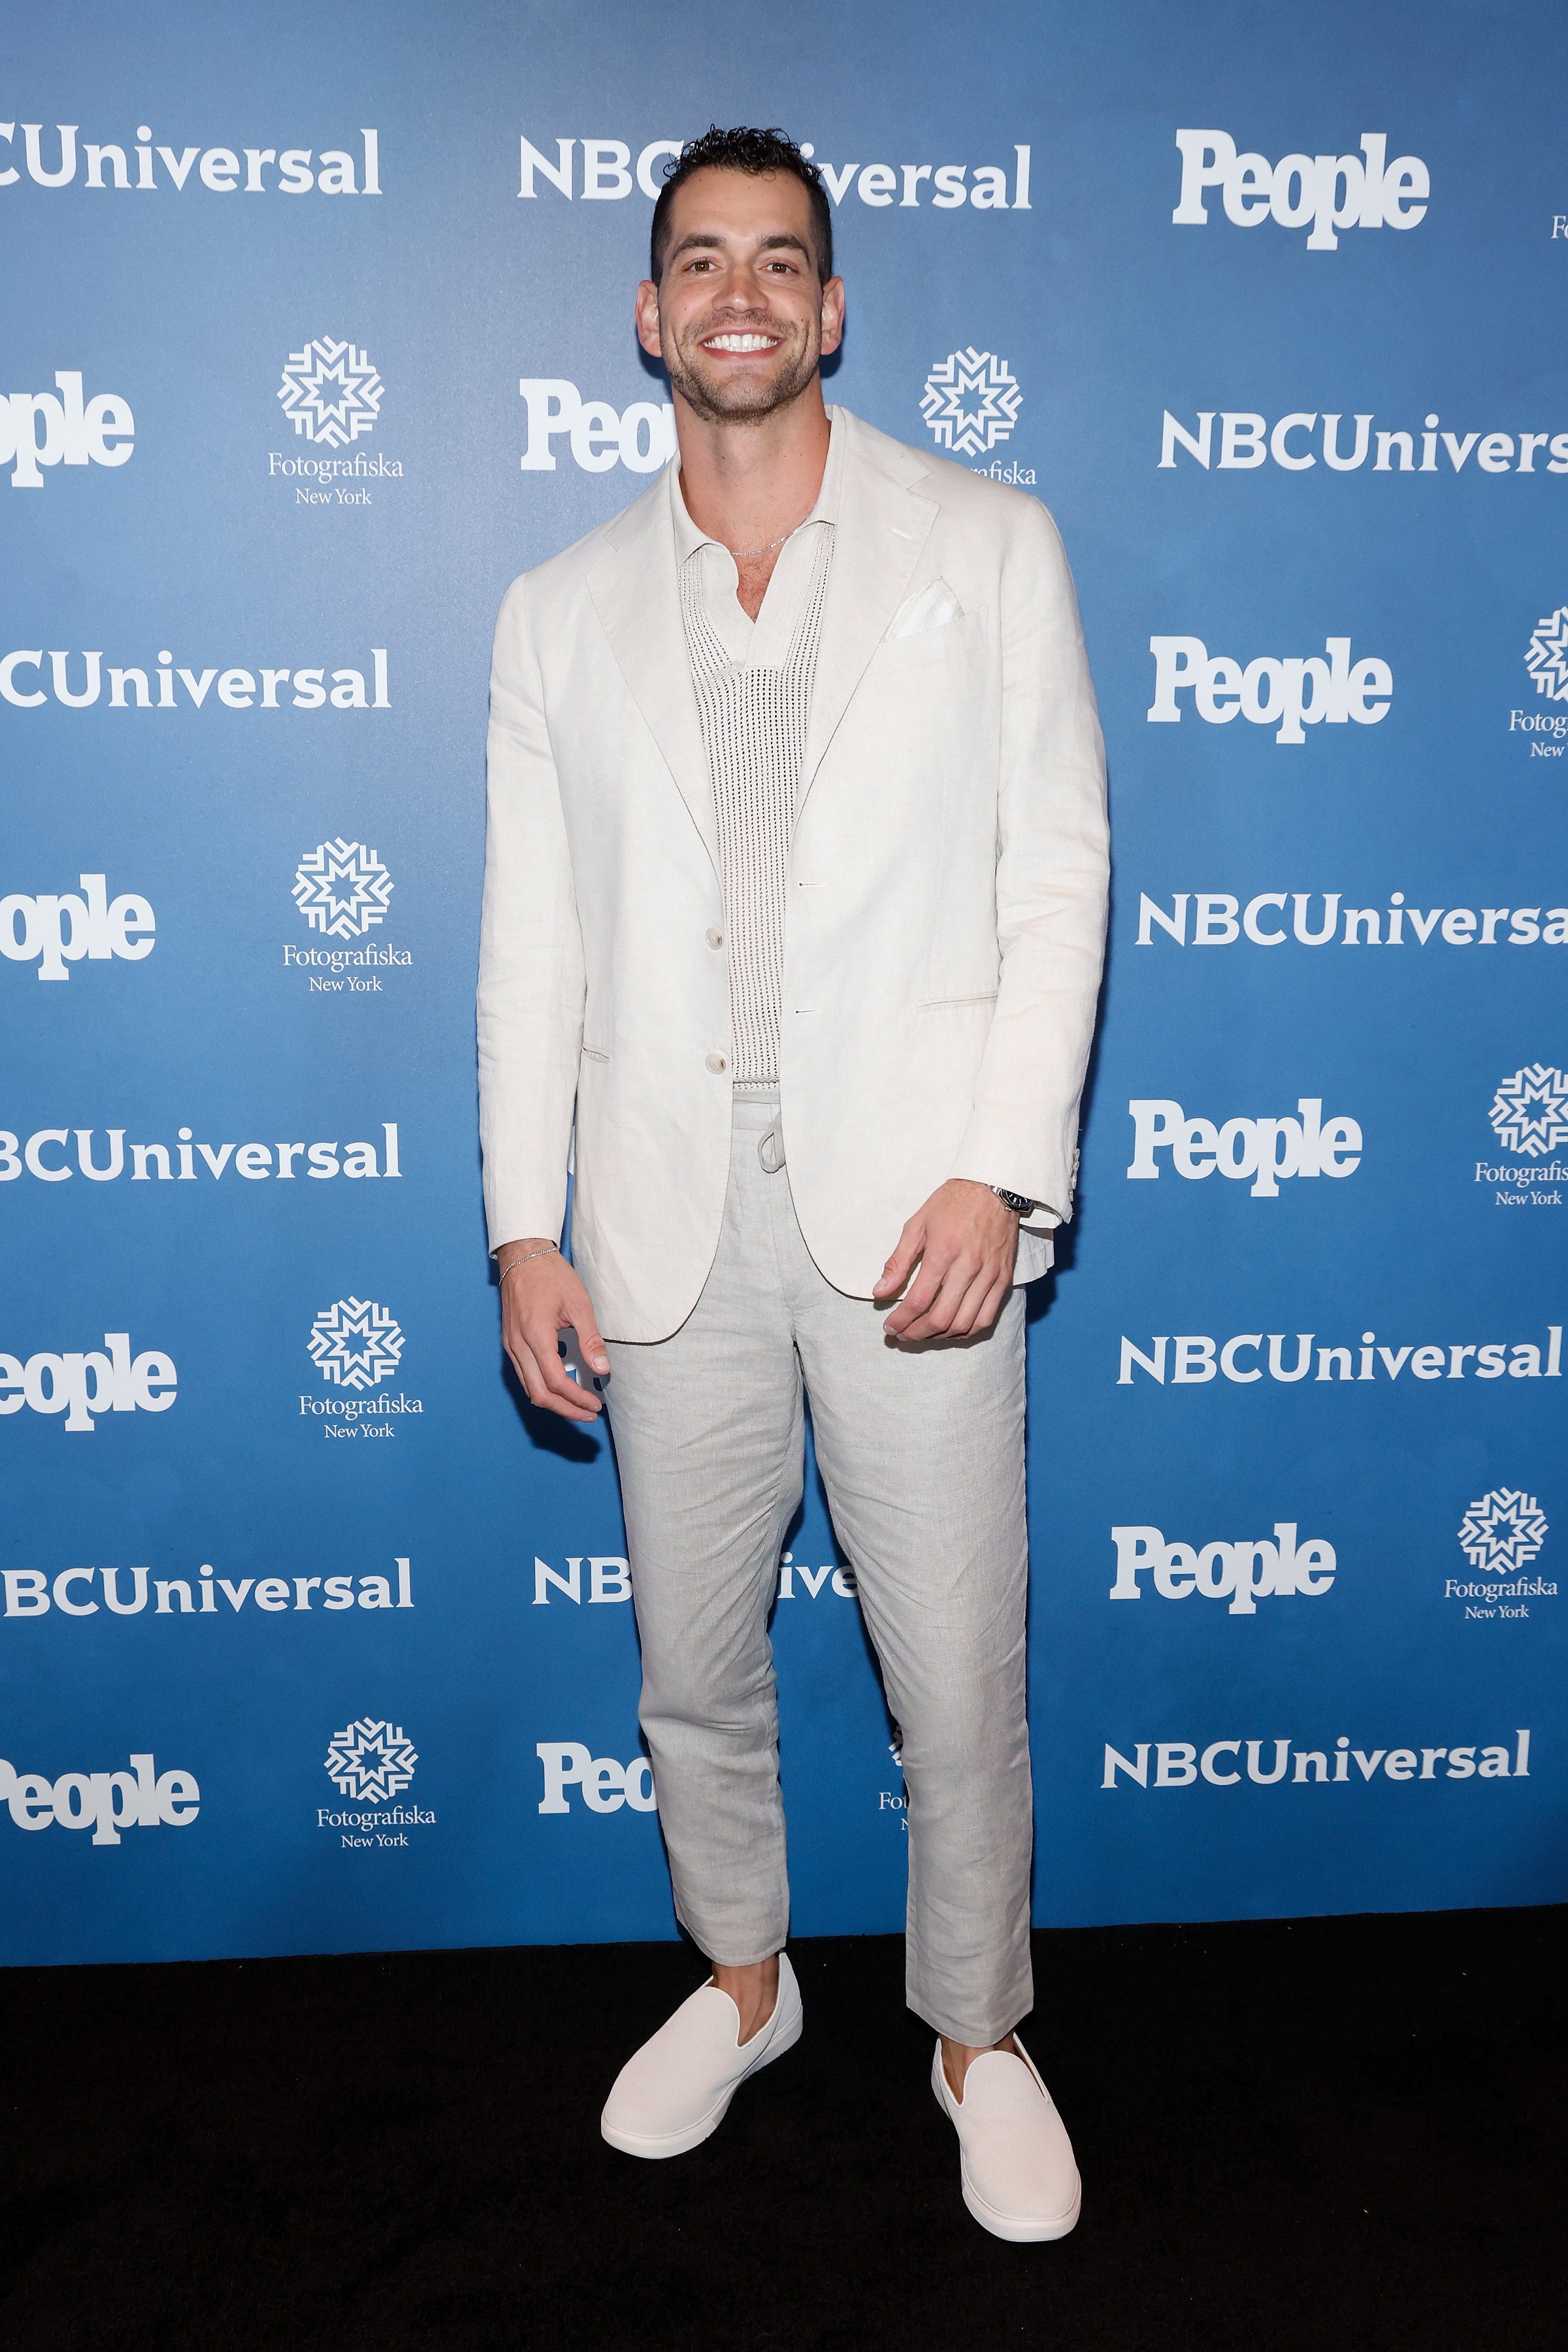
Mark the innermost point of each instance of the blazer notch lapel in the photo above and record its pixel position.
(637, 595)
(880, 535)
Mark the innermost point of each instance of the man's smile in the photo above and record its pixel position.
(749, 341)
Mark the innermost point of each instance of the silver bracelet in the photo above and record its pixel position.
(528, 1260)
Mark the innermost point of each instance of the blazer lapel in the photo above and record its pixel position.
(636, 595)
(881, 531)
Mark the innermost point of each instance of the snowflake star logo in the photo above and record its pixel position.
(331, 392)
(354, 1343)
(342, 889)
(1530, 1111)
(1547, 660)
(1503, 1531)
(370, 1761)
(971, 401)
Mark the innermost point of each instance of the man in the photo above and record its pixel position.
(794, 902)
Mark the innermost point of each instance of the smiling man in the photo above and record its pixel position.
(794, 906)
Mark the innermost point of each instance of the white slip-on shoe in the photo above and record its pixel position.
(1020, 2178)
(673, 2092)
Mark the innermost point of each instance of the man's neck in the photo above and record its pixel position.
(750, 484)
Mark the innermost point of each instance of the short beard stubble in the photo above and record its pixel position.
(747, 402)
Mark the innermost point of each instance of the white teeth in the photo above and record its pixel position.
(741, 342)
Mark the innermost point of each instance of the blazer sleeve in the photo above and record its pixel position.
(1052, 887)
(532, 973)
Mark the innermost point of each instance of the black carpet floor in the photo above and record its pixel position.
(1333, 2133)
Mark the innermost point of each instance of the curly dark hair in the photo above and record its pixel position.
(757, 152)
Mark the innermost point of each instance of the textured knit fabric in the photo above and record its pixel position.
(754, 682)
(921, 1452)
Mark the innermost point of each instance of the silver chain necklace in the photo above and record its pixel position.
(741, 553)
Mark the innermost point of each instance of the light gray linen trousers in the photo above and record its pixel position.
(921, 1452)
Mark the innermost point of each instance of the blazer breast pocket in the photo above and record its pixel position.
(950, 641)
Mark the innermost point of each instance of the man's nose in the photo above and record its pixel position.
(744, 292)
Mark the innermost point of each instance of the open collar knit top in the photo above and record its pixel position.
(754, 682)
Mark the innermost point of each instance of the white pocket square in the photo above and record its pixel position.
(929, 610)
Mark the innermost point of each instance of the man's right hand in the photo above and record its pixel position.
(538, 1303)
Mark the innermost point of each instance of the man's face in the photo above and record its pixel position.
(740, 319)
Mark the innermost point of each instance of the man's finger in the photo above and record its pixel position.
(995, 1299)
(526, 1366)
(896, 1271)
(932, 1304)
(936, 1325)
(591, 1347)
(953, 1312)
(972, 1315)
(911, 1309)
(576, 1405)
(559, 1388)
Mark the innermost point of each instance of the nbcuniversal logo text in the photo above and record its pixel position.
(1245, 1573)
(1178, 1763)
(103, 1802)
(607, 175)
(1196, 1359)
(1246, 440)
(1218, 920)
(1266, 1149)
(153, 1162)
(237, 689)
(1269, 692)
(218, 169)
(609, 1578)
(85, 1383)
(29, 1592)
(99, 432)
(1326, 193)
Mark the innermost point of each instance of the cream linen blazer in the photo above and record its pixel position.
(945, 919)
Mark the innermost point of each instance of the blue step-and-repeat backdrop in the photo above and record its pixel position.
(319, 330)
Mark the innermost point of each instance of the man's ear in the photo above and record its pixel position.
(646, 313)
(832, 316)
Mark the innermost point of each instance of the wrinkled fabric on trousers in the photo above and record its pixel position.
(921, 1452)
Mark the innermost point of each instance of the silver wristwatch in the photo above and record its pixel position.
(1014, 1201)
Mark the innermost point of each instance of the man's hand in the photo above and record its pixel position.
(965, 1242)
(537, 1303)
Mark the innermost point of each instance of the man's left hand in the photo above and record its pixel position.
(964, 1242)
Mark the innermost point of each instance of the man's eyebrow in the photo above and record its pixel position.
(702, 240)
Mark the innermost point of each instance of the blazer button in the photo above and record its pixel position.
(715, 1063)
(714, 939)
